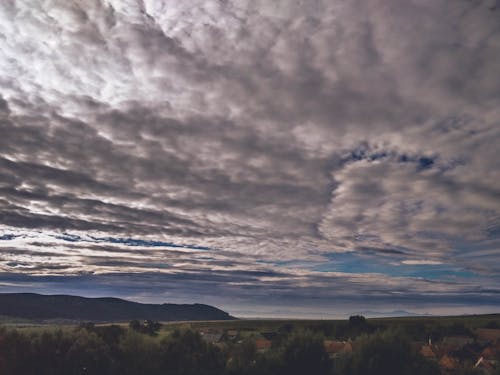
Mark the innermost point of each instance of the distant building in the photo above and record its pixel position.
(448, 363)
(211, 338)
(485, 365)
(334, 348)
(232, 333)
(428, 352)
(488, 334)
(262, 344)
(490, 352)
(456, 342)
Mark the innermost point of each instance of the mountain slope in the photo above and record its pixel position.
(45, 307)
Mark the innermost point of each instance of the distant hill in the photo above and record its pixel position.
(37, 307)
(390, 314)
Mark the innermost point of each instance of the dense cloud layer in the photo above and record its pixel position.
(278, 136)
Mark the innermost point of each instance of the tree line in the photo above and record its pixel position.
(134, 350)
(378, 348)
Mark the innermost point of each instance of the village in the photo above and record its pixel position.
(450, 345)
(482, 350)
(479, 351)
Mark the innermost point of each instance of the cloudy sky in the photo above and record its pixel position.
(309, 158)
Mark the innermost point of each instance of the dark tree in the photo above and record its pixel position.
(135, 325)
(388, 353)
(357, 321)
(185, 353)
(243, 357)
(304, 353)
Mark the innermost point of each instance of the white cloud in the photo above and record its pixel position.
(421, 262)
(275, 131)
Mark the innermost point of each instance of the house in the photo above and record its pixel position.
(211, 338)
(263, 344)
(427, 351)
(488, 334)
(490, 352)
(485, 365)
(231, 333)
(334, 348)
(348, 347)
(456, 342)
(448, 363)
(209, 330)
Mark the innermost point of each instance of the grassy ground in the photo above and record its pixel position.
(470, 321)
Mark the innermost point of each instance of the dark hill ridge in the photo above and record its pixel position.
(46, 307)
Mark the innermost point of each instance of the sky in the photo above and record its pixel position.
(283, 158)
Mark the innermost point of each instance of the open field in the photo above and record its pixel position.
(473, 321)
(268, 325)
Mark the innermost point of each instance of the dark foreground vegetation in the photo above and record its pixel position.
(357, 346)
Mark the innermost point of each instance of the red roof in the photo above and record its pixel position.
(262, 344)
(489, 353)
(488, 334)
(427, 351)
(333, 347)
(448, 363)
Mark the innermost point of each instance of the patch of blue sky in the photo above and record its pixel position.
(364, 152)
(360, 263)
(146, 243)
(69, 237)
(294, 263)
(8, 237)
(351, 263)
(127, 241)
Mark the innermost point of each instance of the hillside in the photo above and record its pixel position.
(39, 307)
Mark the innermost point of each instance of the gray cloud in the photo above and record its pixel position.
(264, 132)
